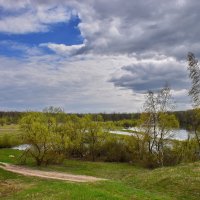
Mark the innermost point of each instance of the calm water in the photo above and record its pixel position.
(22, 147)
(178, 134)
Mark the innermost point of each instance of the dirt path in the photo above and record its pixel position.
(48, 174)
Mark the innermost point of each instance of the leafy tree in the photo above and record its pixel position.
(76, 130)
(96, 134)
(39, 132)
(195, 125)
(156, 124)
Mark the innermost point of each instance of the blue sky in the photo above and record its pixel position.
(94, 56)
(66, 33)
(62, 33)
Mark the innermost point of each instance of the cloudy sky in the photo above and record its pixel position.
(95, 55)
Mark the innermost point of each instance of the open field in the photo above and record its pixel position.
(10, 135)
(12, 129)
(125, 181)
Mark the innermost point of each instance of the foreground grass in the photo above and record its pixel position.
(125, 182)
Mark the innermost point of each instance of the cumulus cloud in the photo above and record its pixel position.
(29, 18)
(78, 86)
(152, 74)
(129, 47)
(114, 27)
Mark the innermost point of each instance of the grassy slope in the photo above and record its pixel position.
(126, 182)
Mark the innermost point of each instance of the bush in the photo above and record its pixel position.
(7, 141)
(53, 157)
(115, 150)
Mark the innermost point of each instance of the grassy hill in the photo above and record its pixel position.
(125, 182)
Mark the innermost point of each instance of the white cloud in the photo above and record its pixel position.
(78, 86)
(63, 49)
(114, 27)
(149, 38)
(126, 27)
(29, 18)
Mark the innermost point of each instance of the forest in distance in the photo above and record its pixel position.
(184, 117)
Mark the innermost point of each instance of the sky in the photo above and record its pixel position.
(95, 55)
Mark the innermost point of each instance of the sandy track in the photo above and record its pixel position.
(48, 174)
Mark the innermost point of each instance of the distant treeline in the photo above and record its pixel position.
(14, 115)
(116, 116)
(184, 117)
(11, 117)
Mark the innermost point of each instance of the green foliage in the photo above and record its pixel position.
(6, 141)
(75, 129)
(185, 151)
(39, 132)
(54, 135)
(3, 121)
(156, 125)
(126, 123)
(73, 137)
(115, 149)
(167, 121)
(95, 135)
(9, 136)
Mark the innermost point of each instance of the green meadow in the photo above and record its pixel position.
(125, 181)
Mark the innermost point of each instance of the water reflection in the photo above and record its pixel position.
(22, 147)
(177, 134)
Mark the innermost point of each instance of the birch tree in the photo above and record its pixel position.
(157, 123)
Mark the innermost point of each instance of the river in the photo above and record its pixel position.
(177, 134)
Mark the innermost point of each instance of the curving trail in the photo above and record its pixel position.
(48, 174)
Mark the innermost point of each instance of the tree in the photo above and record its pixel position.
(156, 123)
(96, 134)
(52, 109)
(194, 74)
(195, 125)
(39, 132)
(76, 130)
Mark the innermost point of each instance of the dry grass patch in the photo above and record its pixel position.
(8, 187)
